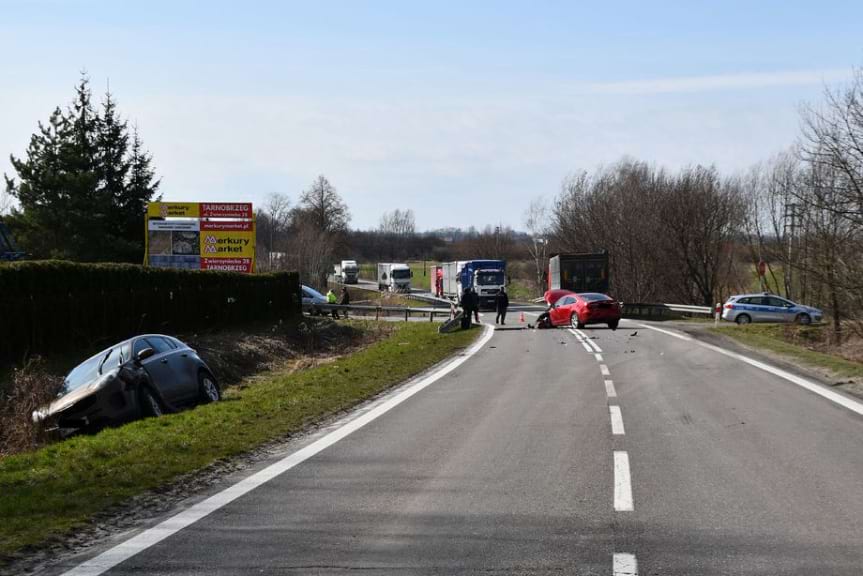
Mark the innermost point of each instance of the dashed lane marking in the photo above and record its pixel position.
(604, 369)
(624, 565)
(598, 357)
(609, 389)
(622, 483)
(616, 420)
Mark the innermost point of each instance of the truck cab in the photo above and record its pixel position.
(349, 271)
(394, 277)
(487, 282)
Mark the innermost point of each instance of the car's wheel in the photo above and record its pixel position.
(613, 324)
(743, 319)
(804, 319)
(208, 389)
(150, 405)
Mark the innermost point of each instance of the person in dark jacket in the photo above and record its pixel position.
(466, 308)
(475, 297)
(501, 304)
(345, 299)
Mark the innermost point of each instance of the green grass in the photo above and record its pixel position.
(775, 338)
(48, 492)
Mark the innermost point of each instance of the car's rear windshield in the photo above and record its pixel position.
(594, 297)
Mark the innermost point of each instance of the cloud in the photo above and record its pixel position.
(686, 84)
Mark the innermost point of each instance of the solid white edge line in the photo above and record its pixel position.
(616, 420)
(844, 401)
(125, 550)
(622, 483)
(624, 564)
(668, 332)
(604, 369)
(598, 357)
(609, 389)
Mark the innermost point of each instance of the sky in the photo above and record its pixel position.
(460, 111)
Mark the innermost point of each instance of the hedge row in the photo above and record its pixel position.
(51, 305)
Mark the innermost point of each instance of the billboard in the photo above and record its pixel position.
(200, 236)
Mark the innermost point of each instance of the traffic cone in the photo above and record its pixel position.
(521, 318)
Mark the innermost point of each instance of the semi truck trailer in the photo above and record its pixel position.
(579, 272)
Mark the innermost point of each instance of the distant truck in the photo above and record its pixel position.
(347, 272)
(486, 277)
(579, 272)
(8, 248)
(394, 277)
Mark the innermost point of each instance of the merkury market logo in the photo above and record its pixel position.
(214, 245)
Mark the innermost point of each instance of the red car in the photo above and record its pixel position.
(578, 310)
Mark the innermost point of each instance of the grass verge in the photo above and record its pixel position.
(775, 338)
(52, 490)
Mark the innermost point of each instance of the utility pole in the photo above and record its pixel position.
(790, 225)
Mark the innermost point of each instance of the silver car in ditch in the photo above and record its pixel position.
(766, 307)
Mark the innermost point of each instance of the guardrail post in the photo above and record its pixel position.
(717, 313)
(431, 316)
(407, 311)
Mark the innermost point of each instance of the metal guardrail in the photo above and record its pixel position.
(386, 311)
(660, 310)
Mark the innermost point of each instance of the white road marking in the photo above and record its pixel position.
(581, 340)
(598, 357)
(624, 565)
(609, 389)
(593, 344)
(669, 332)
(604, 369)
(844, 401)
(125, 550)
(622, 483)
(616, 420)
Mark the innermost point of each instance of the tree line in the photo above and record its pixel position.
(83, 185)
(696, 236)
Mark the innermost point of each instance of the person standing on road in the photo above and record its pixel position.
(466, 308)
(345, 300)
(475, 297)
(331, 299)
(502, 303)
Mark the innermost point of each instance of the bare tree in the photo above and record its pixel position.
(702, 215)
(278, 210)
(537, 221)
(833, 140)
(324, 207)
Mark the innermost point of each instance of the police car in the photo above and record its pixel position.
(766, 307)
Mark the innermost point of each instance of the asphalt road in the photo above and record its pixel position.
(527, 459)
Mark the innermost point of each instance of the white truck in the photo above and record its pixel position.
(394, 277)
(347, 272)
